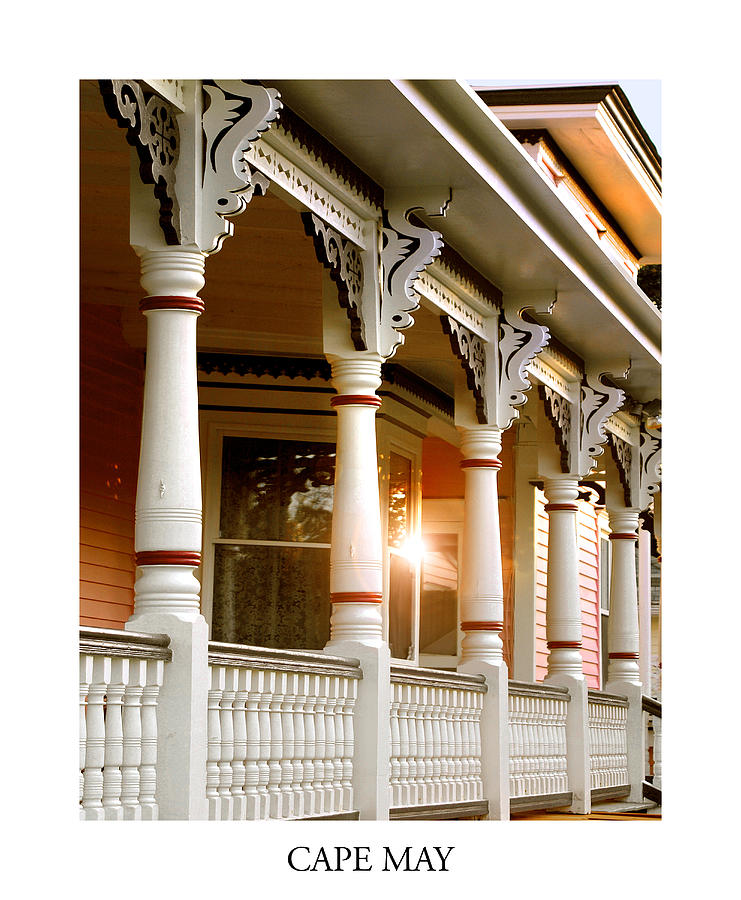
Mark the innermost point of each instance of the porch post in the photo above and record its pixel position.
(623, 673)
(564, 629)
(168, 524)
(482, 605)
(356, 574)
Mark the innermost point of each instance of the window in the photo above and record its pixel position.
(403, 564)
(269, 556)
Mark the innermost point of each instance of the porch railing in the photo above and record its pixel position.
(608, 744)
(280, 733)
(436, 743)
(120, 677)
(652, 727)
(537, 735)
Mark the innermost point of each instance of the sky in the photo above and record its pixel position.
(644, 96)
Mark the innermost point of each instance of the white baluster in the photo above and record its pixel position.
(276, 746)
(437, 745)
(86, 676)
(132, 739)
(347, 762)
(320, 744)
(114, 739)
(254, 806)
(239, 770)
(339, 745)
(286, 763)
(148, 770)
(297, 694)
(95, 746)
(265, 680)
(218, 678)
(329, 747)
(226, 750)
(311, 798)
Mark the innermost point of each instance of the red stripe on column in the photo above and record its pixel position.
(168, 558)
(482, 626)
(564, 645)
(616, 536)
(356, 597)
(551, 507)
(192, 304)
(480, 464)
(622, 655)
(355, 400)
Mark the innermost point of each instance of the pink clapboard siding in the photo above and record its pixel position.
(588, 538)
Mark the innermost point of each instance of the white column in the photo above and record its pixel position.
(623, 674)
(563, 604)
(168, 524)
(564, 630)
(482, 591)
(623, 639)
(482, 606)
(644, 607)
(356, 574)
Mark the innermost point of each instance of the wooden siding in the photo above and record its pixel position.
(111, 384)
(588, 538)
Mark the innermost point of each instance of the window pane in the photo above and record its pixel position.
(438, 627)
(271, 596)
(400, 485)
(401, 597)
(277, 490)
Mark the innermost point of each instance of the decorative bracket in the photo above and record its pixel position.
(406, 251)
(471, 351)
(649, 478)
(237, 114)
(598, 402)
(345, 262)
(519, 341)
(558, 412)
(152, 129)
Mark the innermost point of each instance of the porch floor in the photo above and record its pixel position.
(611, 811)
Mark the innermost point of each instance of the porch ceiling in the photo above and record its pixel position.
(504, 218)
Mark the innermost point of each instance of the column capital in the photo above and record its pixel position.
(624, 520)
(480, 442)
(356, 375)
(174, 272)
(561, 489)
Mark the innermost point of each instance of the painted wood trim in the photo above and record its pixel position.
(441, 811)
(541, 801)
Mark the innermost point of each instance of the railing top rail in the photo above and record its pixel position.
(651, 705)
(437, 678)
(248, 657)
(608, 699)
(132, 644)
(537, 689)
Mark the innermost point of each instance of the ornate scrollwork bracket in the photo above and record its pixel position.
(152, 129)
(471, 351)
(649, 478)
(519, 341)
(558, 412)
(598, 402)
(407, 249)
(345, 262)
(238, 113)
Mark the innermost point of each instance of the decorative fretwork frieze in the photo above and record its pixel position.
(406, 250)
(598, 402)
(520, 341)
(622, 453)
(302, 176)
(243, 364)
(238, 112)
(649, 479)
(345, 262)
(558, 412)
(471, 351)
(152, 129)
